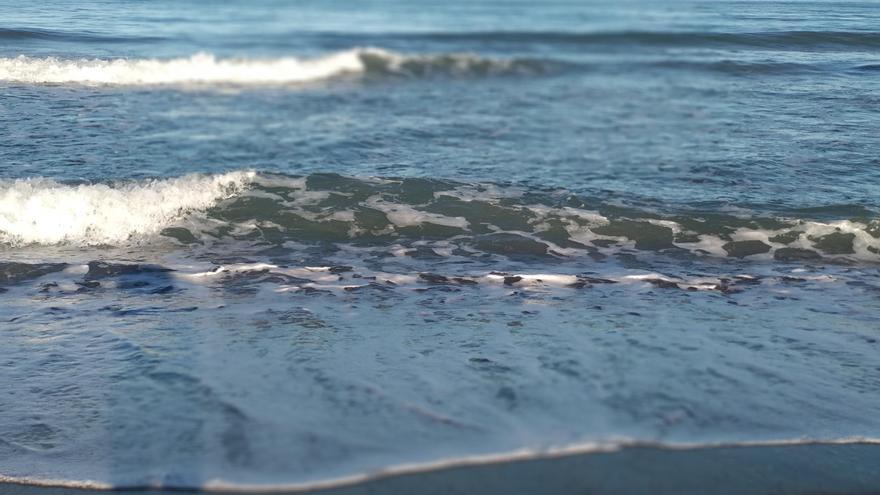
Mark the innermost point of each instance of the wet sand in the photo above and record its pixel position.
(754, 470)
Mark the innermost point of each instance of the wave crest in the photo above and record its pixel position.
(205, 68)
(42, 211)
(412, 216)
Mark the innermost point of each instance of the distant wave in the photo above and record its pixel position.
(807, 40)
(466, 218)
(78, 36)
(785, 40)
(739, 67)
(206, 68)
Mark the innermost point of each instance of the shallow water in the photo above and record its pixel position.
(262, 243)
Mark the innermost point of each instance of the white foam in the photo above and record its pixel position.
(808, 233)
(403, 215)
(484, 192)
(198, 68)
(41, 211)
(546, 279)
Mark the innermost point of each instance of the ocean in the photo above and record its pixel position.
(296, 244)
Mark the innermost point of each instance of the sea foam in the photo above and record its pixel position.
(42, 211)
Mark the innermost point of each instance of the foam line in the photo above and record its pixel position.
(525, 454)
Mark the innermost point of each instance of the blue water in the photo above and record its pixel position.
(275, 242)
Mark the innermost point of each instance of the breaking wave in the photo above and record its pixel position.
(205, 68)
(42, 211)
(413, 215)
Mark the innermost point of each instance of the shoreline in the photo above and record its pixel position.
(785, 467)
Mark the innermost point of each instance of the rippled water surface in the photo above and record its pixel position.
(272, 242)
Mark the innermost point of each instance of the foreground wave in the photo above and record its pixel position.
(416, 216)
(41, 211)
(206, 68)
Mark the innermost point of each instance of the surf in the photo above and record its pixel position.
(206, 68)
(410, 215)
(42, 211)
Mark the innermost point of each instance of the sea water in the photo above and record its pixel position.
(271, 243)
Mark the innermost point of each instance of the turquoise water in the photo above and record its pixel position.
(274, 242)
